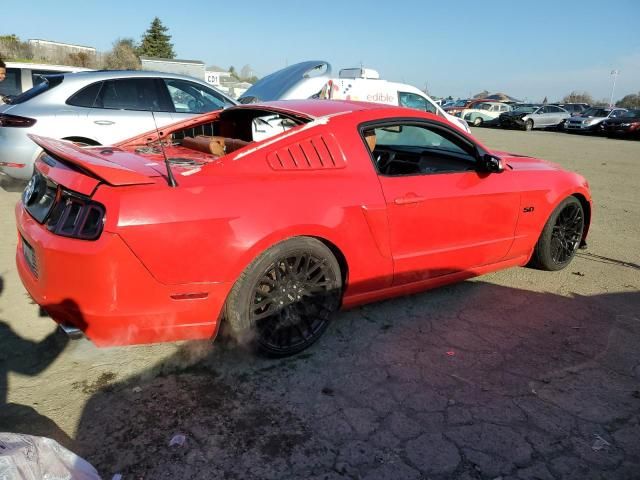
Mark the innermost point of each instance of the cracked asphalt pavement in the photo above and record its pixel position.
(520, 374)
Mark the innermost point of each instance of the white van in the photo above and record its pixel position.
(23, 76)
(313, 79)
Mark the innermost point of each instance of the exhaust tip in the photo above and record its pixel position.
(72, 332)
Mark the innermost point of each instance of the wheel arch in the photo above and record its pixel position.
(317, 233)
(586, 206)
(340, 257)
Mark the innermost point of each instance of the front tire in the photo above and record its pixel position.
(560, 237)
(283, 302)
(528, 125)
(477, 121)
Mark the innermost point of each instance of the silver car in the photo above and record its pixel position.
(527, 117)
(98, 108)
(591, 119)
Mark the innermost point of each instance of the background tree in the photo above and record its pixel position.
(122, 56)
(81, 59)
(577, 97)
(234, 74)
(12, 48)
(629, 101)
(156, 42)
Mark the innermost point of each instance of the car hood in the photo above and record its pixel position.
(276, 85)
(523, 162)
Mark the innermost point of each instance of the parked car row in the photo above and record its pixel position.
(611, 121)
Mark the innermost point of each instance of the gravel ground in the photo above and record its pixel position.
(520, 374)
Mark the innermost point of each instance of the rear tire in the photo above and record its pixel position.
(528, 125)
(283, 301)
(561, 236)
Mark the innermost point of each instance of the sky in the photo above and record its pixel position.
(459, 47)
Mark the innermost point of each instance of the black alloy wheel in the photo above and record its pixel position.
(287, 296)
(567, 233)
(561, 236)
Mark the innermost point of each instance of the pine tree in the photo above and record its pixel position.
(155, 41)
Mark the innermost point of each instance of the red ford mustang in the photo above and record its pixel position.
(273, 216)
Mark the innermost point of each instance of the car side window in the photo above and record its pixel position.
(190, 97)
(411, 100)
(129, 94)
(85, 97)
(409, 148)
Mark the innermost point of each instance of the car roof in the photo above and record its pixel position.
(316, 108)
(106, 74)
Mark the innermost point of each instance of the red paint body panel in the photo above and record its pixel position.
(167, 257)
(103, 289)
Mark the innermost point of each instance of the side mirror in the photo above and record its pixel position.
(491, 164)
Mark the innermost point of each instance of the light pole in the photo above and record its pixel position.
(615, 74)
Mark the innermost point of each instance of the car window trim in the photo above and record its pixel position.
(420, 123)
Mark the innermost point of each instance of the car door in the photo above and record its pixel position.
(541, 117)
(191, 98)
(444, 216)
(556, 115)
(123, 109)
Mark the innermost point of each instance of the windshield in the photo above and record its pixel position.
(460, 103)
(48, 82)
(525, 109)
(596, 112)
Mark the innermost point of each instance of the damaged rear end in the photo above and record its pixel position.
(76, 265)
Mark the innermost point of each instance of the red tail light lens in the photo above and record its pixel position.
(7, 120)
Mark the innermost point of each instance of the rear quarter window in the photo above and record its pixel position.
(85, 97)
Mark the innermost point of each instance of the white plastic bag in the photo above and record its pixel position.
(24, 457)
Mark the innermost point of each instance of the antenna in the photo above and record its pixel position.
(170, 179)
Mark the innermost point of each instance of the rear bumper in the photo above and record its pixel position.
(102, 288)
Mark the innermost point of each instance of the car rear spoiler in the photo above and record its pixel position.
(107, 166)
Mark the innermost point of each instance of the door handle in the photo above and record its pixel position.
(408, 199)
(103, 122)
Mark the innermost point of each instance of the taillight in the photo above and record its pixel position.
(7, 120)
(63, 212)
(76, 217)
